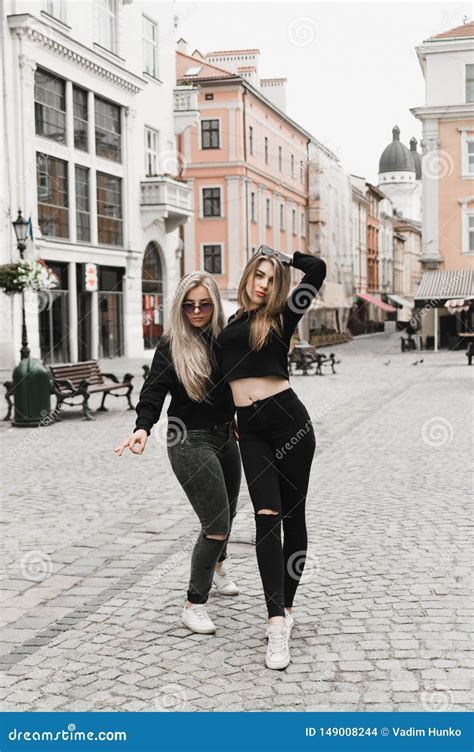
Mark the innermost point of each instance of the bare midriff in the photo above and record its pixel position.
(246, 391)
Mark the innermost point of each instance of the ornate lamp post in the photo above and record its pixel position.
(20, 225)
(30, 385)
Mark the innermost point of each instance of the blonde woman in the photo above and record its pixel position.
(277, 441)
(201, 445)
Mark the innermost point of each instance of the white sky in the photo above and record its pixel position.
(352, 68)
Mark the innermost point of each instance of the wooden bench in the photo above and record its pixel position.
(84, 379)
(302, 357)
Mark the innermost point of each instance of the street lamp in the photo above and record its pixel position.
(20, 225)
(30, 383)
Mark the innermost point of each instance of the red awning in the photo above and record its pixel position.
(376, 302)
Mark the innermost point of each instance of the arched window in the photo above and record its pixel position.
(152, 296)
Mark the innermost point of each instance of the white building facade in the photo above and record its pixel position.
(88, 146)
(330, 235)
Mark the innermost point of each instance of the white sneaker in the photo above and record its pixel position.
(278, 652)
(223, 583)
(197, 620)
(290, 623)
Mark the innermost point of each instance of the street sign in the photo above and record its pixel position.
(90, 278)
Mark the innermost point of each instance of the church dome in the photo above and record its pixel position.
(396, 157)
(416, 157)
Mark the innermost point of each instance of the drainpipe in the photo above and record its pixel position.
(244, 127)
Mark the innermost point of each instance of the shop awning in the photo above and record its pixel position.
(403, 302)
(376, 302)
(331, 297)
(456, 305)
(446, 285)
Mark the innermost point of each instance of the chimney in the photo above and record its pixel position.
(182, 46)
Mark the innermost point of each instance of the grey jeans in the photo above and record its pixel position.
(207, 465)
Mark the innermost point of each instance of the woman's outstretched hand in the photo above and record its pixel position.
(136, 443)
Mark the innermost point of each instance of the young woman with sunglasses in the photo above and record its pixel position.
(276, 437)
(201, 445)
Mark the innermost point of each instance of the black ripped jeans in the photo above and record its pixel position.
(277, 446)
(207, 465)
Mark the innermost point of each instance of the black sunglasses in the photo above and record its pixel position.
(202, 307)
(265, 250)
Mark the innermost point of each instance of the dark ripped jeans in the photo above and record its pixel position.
(207, 465)
(277, 444)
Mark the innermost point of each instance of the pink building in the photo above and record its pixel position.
(247, 162)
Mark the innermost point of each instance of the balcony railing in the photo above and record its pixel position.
(168, 199)
(186, 108)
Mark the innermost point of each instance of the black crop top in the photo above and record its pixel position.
(216, 408)
(237, 360)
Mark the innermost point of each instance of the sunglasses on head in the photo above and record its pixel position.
(265, 250)
(202, 307)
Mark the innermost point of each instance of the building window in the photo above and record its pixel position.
(301, 171)
(108, 130)
(251, 139)
(293, 221)
(469, 244)
(151, 152)
(253, 212)
(212, 259)
(469, 158)
(280, 158)
(50, 106)
(267, 212)
(79, 98)
(107, 10)
(210, 134)
(292, 166)
(83, 218)
(109, 209)
(57, 9)
(110, 300)
(470, 83)
(266, 150)
(211, 202)
(282, 216)
(51, 181)
(303, 228)
(150, 47)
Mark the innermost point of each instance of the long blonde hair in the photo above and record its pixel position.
(189, 353)
(268, 317)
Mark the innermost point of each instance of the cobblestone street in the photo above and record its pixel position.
(97, 555)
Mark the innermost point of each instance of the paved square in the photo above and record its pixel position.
(97, 553)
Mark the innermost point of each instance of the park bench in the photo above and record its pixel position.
(303, 357)
(70, 380)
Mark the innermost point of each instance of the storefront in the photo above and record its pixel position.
(445, 308)
(369, 314)
(80, 323)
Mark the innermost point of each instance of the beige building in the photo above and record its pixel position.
(447, 63)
